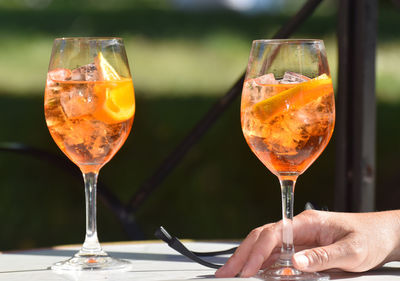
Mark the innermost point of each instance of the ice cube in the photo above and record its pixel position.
(91, 139)
(266, 79)
(266, 91)
(321, 117)
(259, 89)
(293, 77)
(58, 74)
(78, 101)
(247, 92)
(86, 72)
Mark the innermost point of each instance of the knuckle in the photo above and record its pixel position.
(356, 248)
(255, 233)
(312, 214)
(318, 257)
(271, 230)
(308, 213)
(273, 235)
(309, 216)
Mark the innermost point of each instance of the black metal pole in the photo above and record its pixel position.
(356, 106)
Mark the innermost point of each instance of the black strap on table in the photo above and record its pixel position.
(177, 245)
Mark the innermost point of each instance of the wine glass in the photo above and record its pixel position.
(89, 107)
(287, 116)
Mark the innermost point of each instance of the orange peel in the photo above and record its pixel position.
(295, 97)
(106, 71)
(116, 96)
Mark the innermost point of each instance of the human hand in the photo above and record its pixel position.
(353, 242)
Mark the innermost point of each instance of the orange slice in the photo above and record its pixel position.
(116, 97)
(106, 71)
(295, 97)
(116, 100)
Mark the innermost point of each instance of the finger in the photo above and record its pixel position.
(267, 241)
(275, 254)
(271, 260)
(344, 254)
(307, 227)
(235, 263)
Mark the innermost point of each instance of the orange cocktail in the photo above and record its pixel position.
(89, 106)
(89, 120)
(288, 125)
(288, 115)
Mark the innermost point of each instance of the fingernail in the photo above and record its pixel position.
(301, 260)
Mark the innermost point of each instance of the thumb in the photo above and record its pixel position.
(339, 255)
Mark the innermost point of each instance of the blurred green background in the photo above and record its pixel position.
(183, 57)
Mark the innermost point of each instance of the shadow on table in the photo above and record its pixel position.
(384, 272)
(124, 255)
(94, 276)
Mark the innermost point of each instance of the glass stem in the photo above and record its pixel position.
(287, 250)
(91, 246)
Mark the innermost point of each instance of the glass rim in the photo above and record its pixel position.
(89, 38)
(289, 41)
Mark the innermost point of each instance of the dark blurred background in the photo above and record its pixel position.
(184, 55)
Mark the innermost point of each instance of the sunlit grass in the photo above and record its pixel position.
(388, 75)
(23, 63)
(207, 66)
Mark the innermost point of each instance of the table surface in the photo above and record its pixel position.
(151, 260)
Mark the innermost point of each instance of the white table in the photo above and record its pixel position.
(150, 261)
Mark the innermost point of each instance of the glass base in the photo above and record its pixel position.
(81, 262)
(289, 273)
